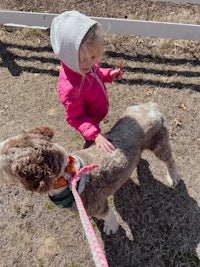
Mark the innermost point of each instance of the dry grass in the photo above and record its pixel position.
(160, 226)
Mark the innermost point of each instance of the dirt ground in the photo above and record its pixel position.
(159, 226)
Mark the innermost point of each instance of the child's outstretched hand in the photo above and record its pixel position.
(116, 74)
(102, 142)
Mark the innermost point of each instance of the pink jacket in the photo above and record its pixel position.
(84, 98)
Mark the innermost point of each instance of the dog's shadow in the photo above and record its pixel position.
(164, 223)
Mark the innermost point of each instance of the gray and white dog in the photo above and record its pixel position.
(35, 160)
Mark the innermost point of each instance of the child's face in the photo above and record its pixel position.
(87, 59)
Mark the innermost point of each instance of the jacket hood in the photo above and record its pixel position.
(67, 32)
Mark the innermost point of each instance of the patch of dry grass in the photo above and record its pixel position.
(160, 226)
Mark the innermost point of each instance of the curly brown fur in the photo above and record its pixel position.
(33, 159)
(141, 127)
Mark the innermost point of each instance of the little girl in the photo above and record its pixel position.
(77, 41)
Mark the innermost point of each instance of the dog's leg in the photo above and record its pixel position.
(162, 150)
(110, 222)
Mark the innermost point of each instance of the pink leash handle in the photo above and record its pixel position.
(97, 252)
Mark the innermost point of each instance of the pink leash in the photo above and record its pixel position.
(97, 252)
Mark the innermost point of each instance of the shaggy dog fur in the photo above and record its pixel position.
(33, 159)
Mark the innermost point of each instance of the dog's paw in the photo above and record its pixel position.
(110, 222)
(173, 179)
(110, 228)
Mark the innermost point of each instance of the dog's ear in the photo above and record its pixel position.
(35, 176)
(46, 132)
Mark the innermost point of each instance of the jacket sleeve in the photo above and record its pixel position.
(74, 111)
(105, 72)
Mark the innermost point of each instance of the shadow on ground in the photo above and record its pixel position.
(165, 224)
(9, 61)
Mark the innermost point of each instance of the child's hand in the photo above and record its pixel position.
(102, 142)
(116, 74)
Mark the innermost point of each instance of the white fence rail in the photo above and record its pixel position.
(118, 26)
